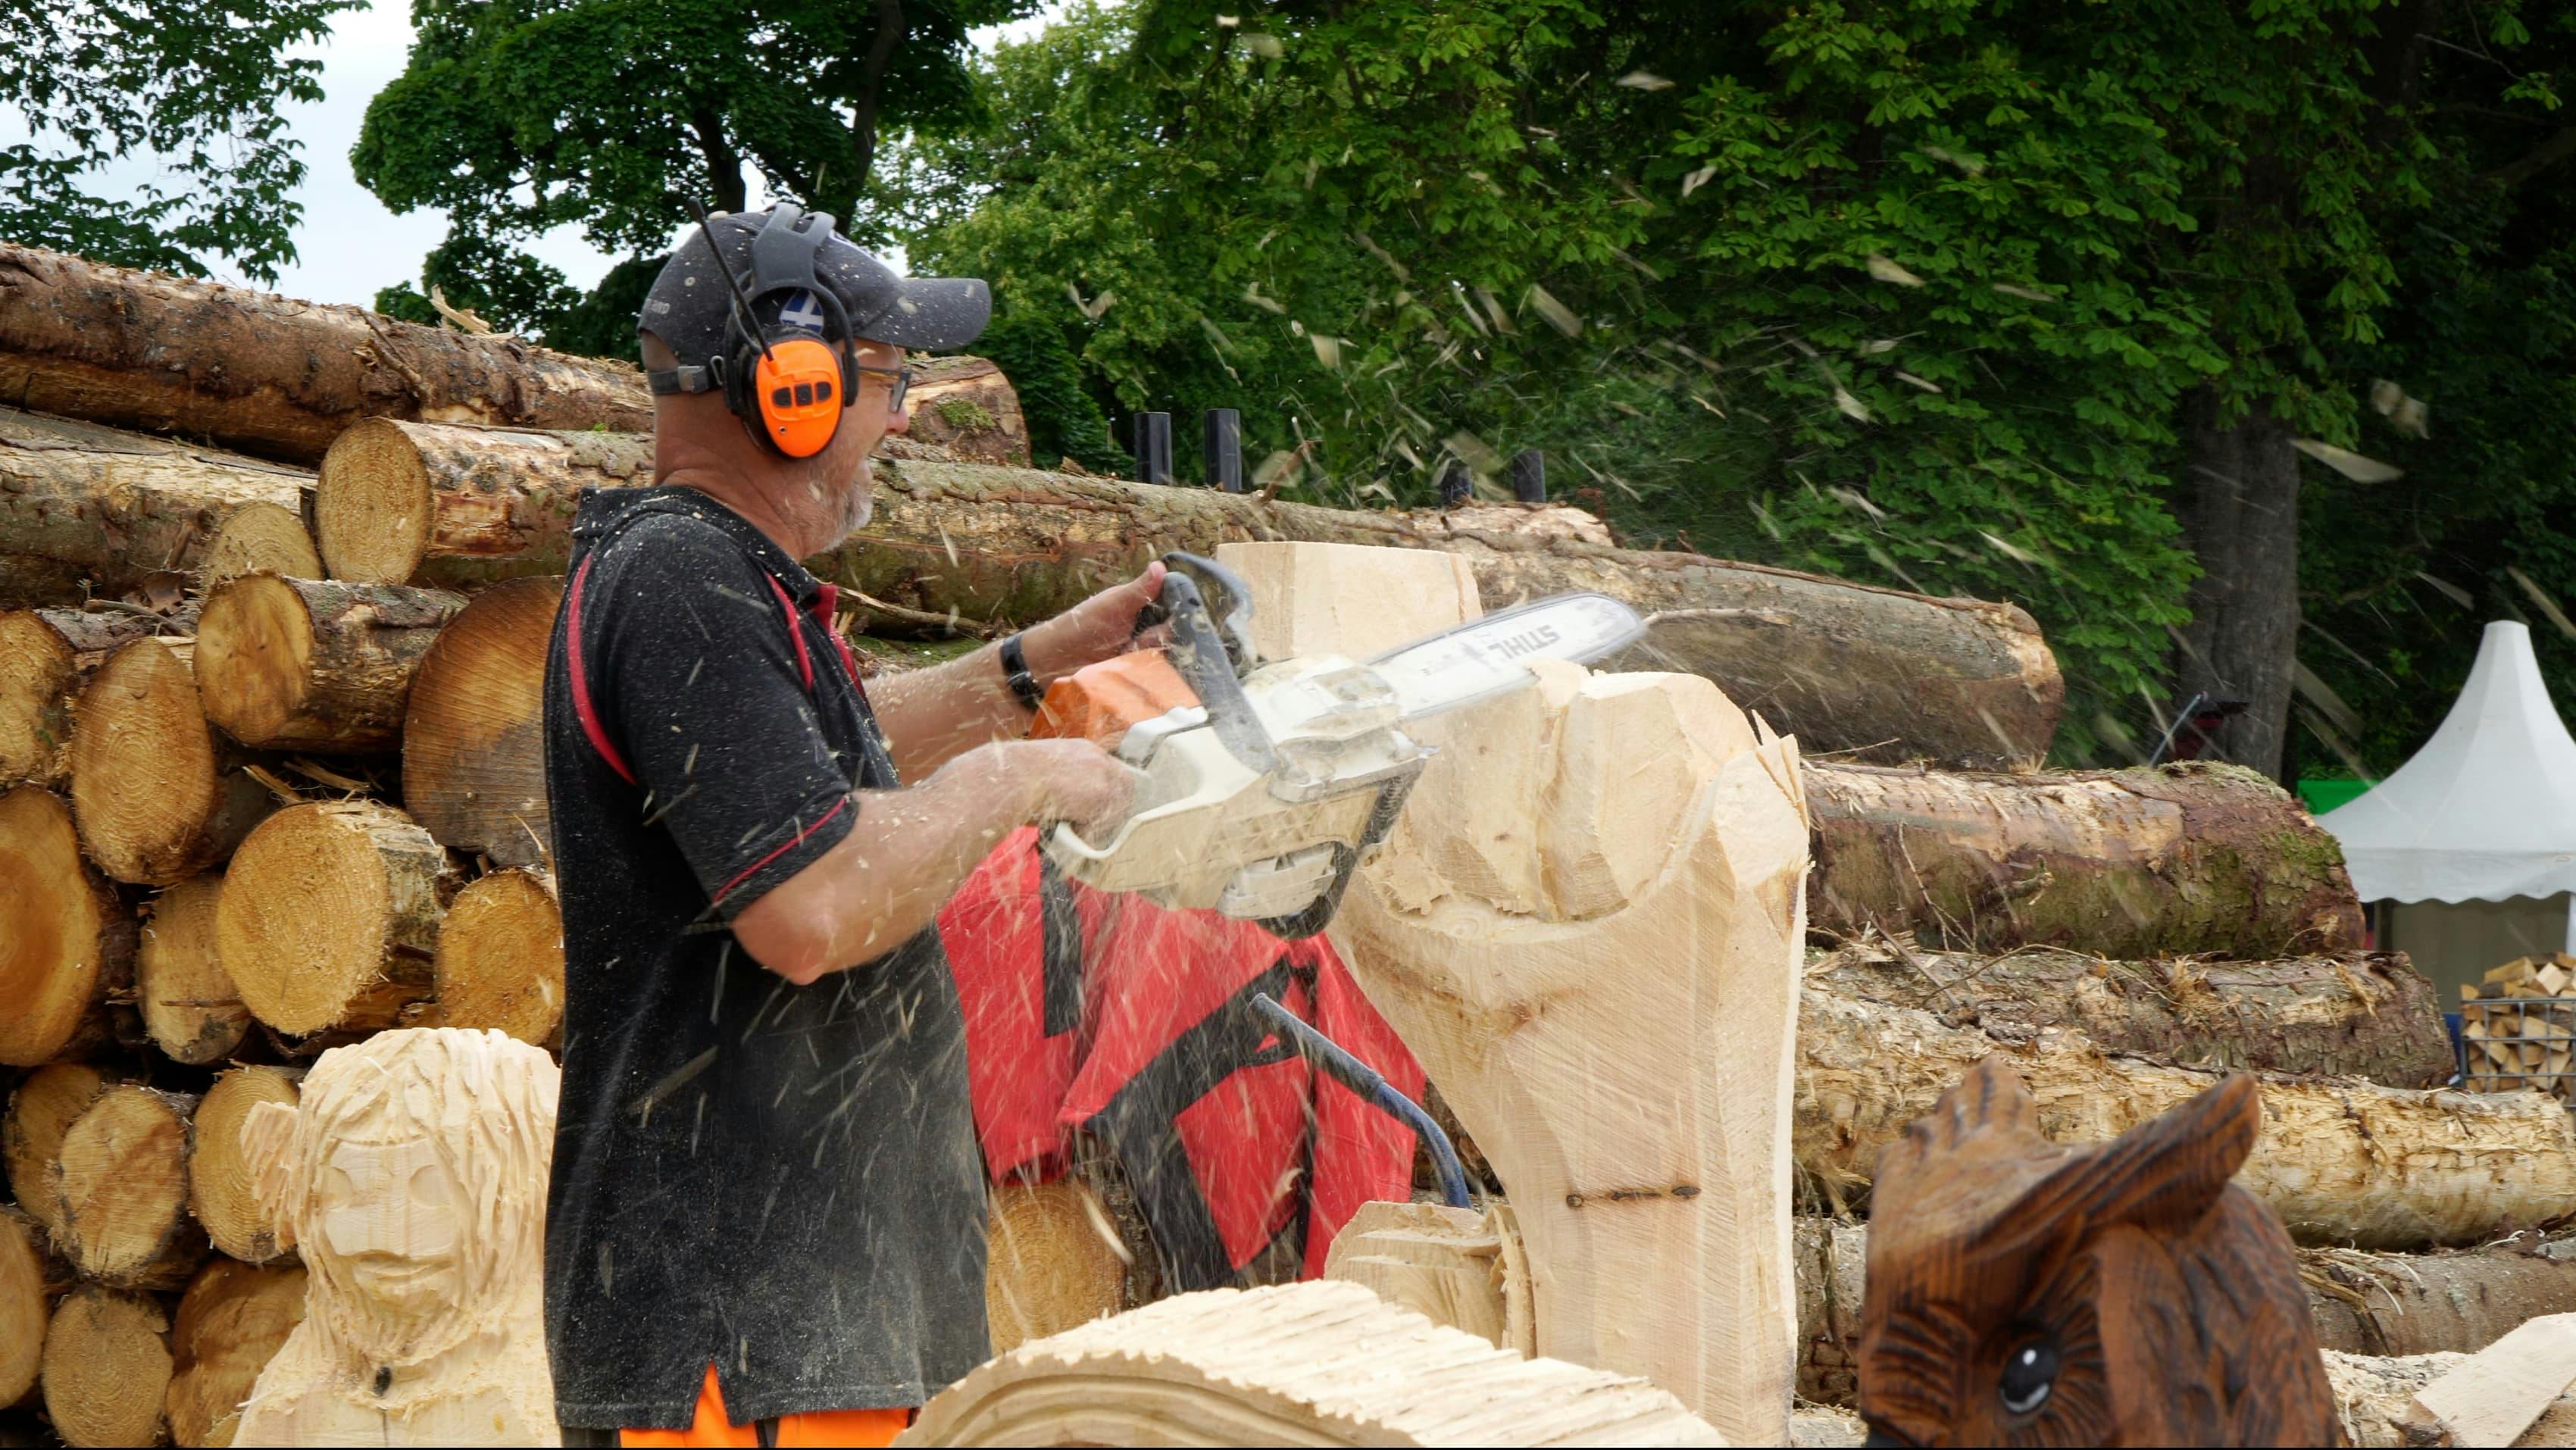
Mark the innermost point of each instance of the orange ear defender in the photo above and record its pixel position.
(798, 384)
(788, 381)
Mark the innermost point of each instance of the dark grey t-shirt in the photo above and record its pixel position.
(778, 1181)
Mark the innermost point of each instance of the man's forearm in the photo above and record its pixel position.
(905, 856)
(932, 716)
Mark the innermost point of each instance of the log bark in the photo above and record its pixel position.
(40, 1112)
(25, 1304)
(2359, 1014)
(89, 511)
(2126, 864)
(46, 657)
(67, 939)
(221, 1191)
(2342, 1161)
(107, 1365)
(120, 1185)
(501, 957)
(231, 1320)
(314, 664)
(269, 374)
(188, 1002)
(474, 760)
(1845, 667)
(159, 797)
(329, 917)
(1320, 1363)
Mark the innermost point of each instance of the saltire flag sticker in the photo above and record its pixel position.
(802, 311)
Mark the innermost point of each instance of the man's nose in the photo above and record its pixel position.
(899, 421)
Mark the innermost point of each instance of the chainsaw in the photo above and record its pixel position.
(1262, 785)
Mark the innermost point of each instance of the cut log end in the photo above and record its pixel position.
(106, 1368)
(372, 519)
(40, 1112)
(157, 802)
(220, 1185)
(501, 958)
(329, 916)
(24, 1306)
(188, 1002)
(255, 657)
(121, 1190)
(37, 669)
(233, 1318)
(65, 938)
(474, 732)
(261, 538)
(1053, 1262)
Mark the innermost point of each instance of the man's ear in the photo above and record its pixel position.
(2162, 1173)
(268, 1154)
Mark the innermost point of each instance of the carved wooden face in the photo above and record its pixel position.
(2020, 1293)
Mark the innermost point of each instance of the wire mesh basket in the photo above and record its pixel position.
(2517, 1044)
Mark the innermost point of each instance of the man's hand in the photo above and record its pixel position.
(1080, 784)
(1099, 628)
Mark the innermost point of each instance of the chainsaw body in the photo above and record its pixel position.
(1262, 786)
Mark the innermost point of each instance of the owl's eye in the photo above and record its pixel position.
(2030, 1372)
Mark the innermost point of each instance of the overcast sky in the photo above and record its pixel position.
(349, 244)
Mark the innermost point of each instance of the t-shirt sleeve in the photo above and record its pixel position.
(695, 676)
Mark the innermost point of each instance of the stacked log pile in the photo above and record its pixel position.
(2518, 1026)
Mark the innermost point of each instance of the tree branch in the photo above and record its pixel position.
(2535, 161)
(724, 164)
(863, 125)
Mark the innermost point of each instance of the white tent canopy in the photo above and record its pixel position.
(2486, 811)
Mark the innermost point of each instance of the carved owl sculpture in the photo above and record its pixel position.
(2121, 1293)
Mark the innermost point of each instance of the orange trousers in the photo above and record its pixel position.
(822, 1427)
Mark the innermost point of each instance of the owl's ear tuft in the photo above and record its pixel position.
(2163, 1173)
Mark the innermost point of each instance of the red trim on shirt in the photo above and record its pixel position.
(827, 611)
(804, 657)
(581, 705)
(746, 871)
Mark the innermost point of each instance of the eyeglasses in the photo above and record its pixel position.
(902, 384)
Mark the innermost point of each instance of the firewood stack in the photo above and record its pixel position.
(276, 586)
(2518, 1026)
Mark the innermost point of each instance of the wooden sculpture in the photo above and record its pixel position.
(412, 1176)
(1322, 1363)
(2124, 1293)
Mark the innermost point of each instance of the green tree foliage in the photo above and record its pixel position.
(1913, 290)
(190, 86)
(518, 116)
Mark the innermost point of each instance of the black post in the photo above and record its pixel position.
(1221, 437)
(1152, 436)
(1456, 485)
(1529, 476)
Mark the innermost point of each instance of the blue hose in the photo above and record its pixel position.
(1336, 1062)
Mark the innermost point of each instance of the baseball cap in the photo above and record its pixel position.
(689, 302)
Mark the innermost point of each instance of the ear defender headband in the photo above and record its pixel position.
(787, 385)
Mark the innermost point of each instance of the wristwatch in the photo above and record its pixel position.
(1015, 669)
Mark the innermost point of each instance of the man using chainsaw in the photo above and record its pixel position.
(766, 1216)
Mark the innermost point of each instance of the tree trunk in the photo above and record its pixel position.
(473, 739)
(965, 405)
(501, 957)
(66, 938)
(221, 1191)
(107, 1365)
(2240, 515)
(2361, 1014)
(2342, 1161)
(159, 797)
(187, 1000)
(2361, 1303)
(1846, 667)
(43, 1108)
(25, 1299)
(46, 657)
(231, 1320)
(88, 511)
(266, 373)
(329, 917)
(120, 1187)
(314, 664)
(2127, 864)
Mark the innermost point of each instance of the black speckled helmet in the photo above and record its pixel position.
(689, 305)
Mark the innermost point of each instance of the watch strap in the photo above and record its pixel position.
(1015, 670)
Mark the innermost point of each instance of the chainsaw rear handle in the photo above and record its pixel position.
(1335, 1061)
(1211, 648)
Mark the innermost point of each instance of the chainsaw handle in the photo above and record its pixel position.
(1224, 601)
(1206, 656)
